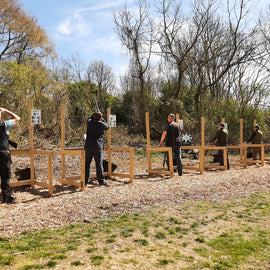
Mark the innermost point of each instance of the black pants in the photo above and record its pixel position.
(176, 151)
(221, 161)
(98, 157)
(5, 173)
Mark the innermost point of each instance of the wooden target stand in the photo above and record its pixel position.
(31, 152)
(73, 180)
(111, 149)
(150, 149)
(243, 147)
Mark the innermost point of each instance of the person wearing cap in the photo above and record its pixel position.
(256, 138)
(221, 139)
(94, 145)
(5, 157)
(171, 133)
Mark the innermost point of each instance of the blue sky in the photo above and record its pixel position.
(82, 27)
(85, 27)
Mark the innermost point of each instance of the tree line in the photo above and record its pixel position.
(205, 58)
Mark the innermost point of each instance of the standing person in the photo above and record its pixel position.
(256, 138)
(171, 133)
(94, 145)
(221, 139)
(5, 157)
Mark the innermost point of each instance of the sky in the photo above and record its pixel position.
(82, 27)
(85, 28)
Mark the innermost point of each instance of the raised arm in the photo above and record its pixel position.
(13, 115)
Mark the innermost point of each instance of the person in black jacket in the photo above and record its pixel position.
(221, 139)
(256, 138)
(94, 145)
(5, 157)
(171, 133)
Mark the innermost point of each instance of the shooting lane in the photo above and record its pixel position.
(246, 145)
(199, 148)
(111, 149)
(71, 180)
(149, 149)
(31, 152)
(206, 148)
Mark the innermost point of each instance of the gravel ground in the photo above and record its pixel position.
(34, 210)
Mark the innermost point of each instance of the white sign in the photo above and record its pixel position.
(181, 124)
(36, 117)
(113, 120)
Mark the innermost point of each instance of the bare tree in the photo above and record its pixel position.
(101, 75)
(136, 34)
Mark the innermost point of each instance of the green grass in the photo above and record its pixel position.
(228, 235)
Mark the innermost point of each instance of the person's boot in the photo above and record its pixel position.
(103, 183)
(9, 200)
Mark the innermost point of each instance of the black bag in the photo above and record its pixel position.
(106, 166)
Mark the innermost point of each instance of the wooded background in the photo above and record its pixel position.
(210, 61)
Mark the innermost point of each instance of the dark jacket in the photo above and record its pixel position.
(173, 131)
(3, 137)
(256, 137)
(95, 133)
(221, 138)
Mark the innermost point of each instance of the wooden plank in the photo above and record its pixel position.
(63, 157)
(131, 165)
(158, 149)
(202, 131)
(82, 170)
(71, 152)
(31, 142)
(72, 178)
(21, 183)
(43, 152)
(158, 172)
(191, 168)
(42, 184)
(21, 151)
(126, 175)
(50, 173)
(215, 166)
(71, 183)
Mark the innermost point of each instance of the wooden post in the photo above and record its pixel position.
(63, 156)
(202, 131)
(83, 170)
(262, 155)
(254, 122)
(148, 139)
(241, 140)
(223, 121)
(50, 173)
(31, 142)
(109, 136)
(131, 165)
(177, 118)
(201, 156)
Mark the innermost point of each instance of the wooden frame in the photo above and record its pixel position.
(249, 160)
(81, 152)
(150, 149)
(111, 149)
(214, 166)
(267, 145)
(243, 155)
(201, 158)
(74, 152)
(31, 152)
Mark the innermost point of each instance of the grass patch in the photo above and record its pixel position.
(97, 259)
(234, 235)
